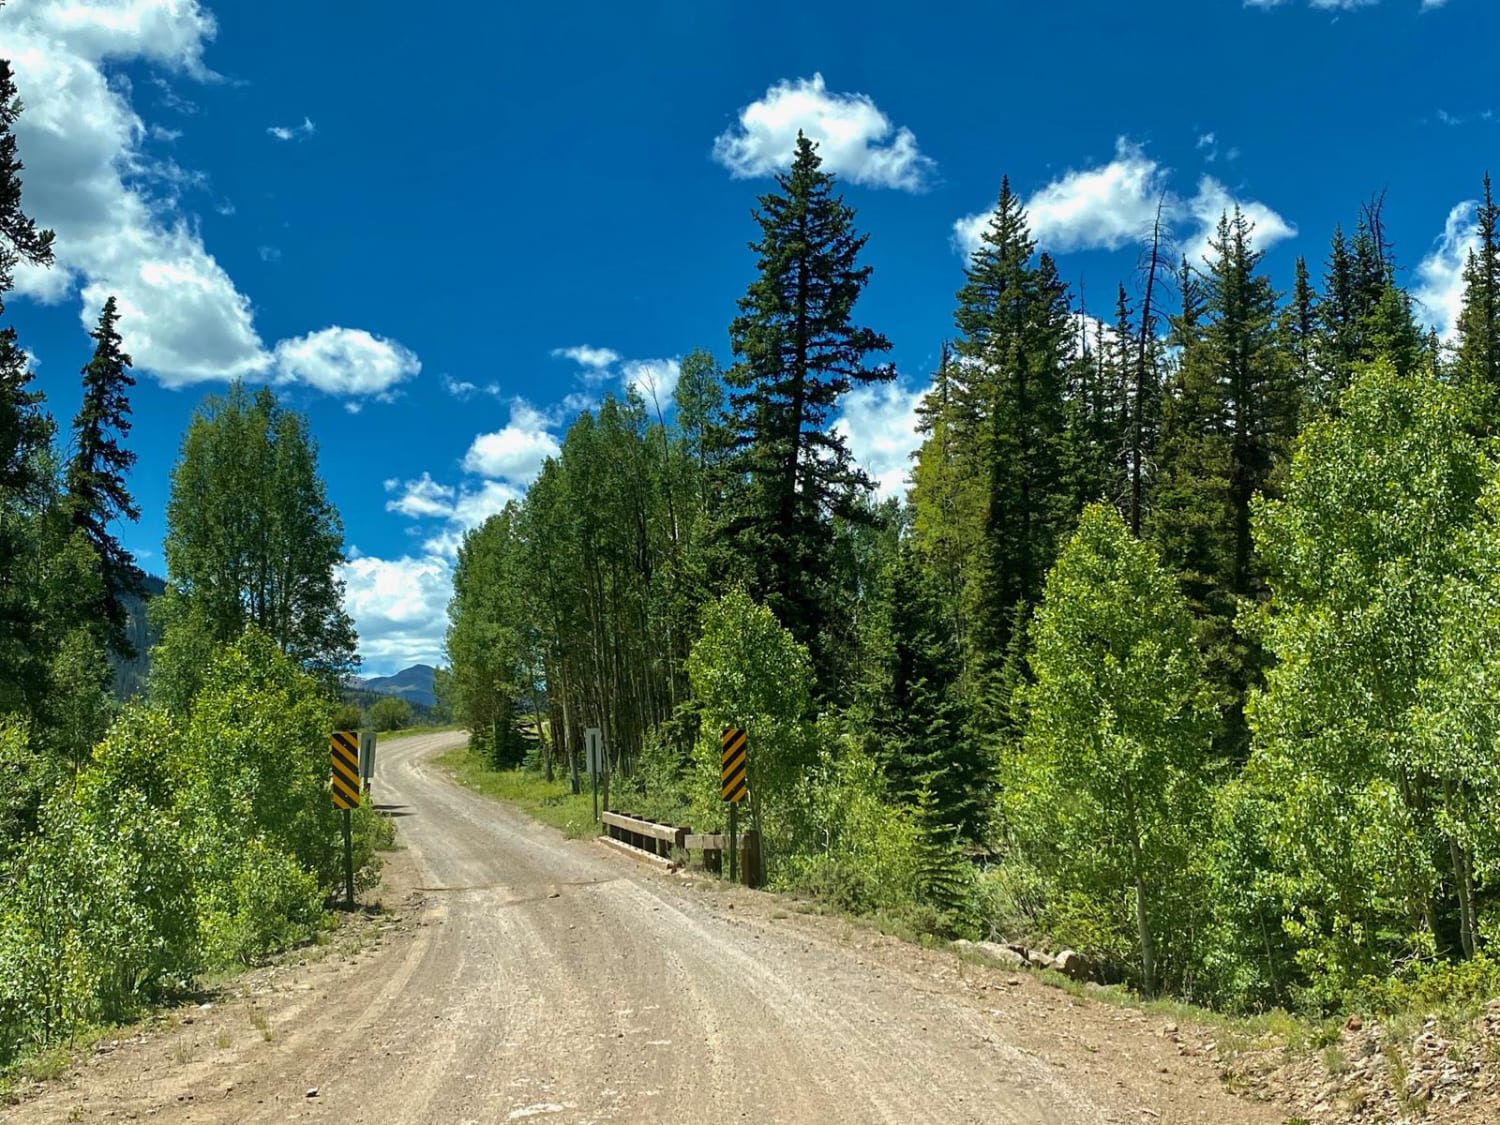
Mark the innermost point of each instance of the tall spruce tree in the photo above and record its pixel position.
(1230, 420)
(96, 493)
(1003, 435)
(1477, 363)
(798, 352)
(25, 438)
(1299, 334)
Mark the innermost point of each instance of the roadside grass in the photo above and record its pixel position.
(549, 802)
(1276, 1028)
(412, 732)
(46, 1064)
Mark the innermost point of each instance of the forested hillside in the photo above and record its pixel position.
(1187, 622)
(190, 829)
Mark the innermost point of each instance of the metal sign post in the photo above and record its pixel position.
(366, 759)
(343, 760)
(593, 745)
(733, 788)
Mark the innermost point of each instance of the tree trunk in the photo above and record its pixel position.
(1142, 918)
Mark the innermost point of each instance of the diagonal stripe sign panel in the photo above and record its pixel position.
(343, 758)
(733, 786)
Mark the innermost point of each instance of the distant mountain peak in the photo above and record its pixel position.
(413, 684)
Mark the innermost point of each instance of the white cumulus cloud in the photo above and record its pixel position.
(345, 361)
(880, 424)
(1440, 275)
(1107, 207)
(118, 214)
(587, 356)
(421, 499)
(514, 453)
(1113, 205)
(399, 607)
(654, 380)
(854, 138)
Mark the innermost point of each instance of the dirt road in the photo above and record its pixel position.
(536, 978)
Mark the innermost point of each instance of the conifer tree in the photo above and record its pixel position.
(798, 352)
(920, 717)
(1229, 422)
(96, 492)
(1004, 427)
(1478, 361)
(25, 436)
(1363, 314)
(939, 493)
(1299, 333)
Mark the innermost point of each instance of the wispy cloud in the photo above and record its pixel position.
(1440, 275)
(293, 132)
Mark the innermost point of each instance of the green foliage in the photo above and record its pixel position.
(1230, 417)
(1433, 986)
(920, 723)
(799, 352)
(346, 716)
(180, 845)
(1109, 790)
(251, 536)
(101, 916)
(1361, 801)
(390, 712)
(857, 845)
(253, 773)
(748, 671)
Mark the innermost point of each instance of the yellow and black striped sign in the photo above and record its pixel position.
(344, 763)
(732, 784)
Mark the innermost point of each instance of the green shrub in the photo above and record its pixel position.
(99, 918)
(839, 883)
(1433, 985)
(390, 712)
(271, 903)
(1010, 898)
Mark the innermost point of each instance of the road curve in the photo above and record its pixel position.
(551, 980)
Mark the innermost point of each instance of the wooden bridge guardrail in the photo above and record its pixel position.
(655, 841)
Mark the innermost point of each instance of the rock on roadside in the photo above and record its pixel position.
(991, 951)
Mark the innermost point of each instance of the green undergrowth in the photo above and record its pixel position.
(331, 938)
(551, 802)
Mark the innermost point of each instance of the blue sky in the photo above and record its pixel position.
(442, 230)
